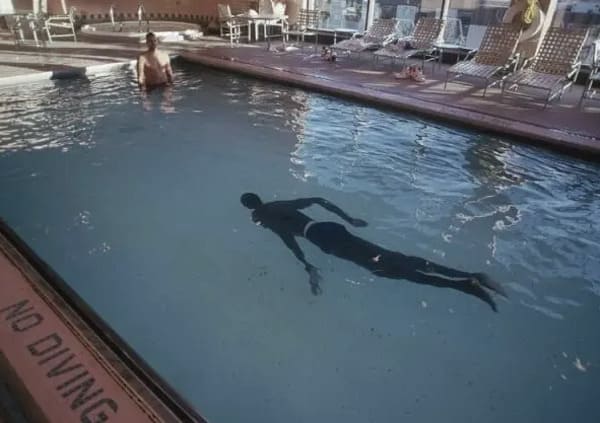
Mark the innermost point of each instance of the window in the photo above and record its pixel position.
(349, 14)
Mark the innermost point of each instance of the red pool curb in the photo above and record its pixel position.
(58, 365)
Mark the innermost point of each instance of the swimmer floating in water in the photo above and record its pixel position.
(284, 218)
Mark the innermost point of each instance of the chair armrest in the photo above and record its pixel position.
(574, 70)
(470, 54)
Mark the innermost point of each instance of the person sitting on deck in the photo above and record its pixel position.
(285, 219)
(153, 66)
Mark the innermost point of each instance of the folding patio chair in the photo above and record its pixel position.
(554, 68)
(64, 24)
(231, 26)
(589, 92)
(494, 59)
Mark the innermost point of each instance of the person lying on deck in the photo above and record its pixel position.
(285, 219)
(154, 66)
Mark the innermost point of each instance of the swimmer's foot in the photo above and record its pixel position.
(479, 285)
(490, 284)
(473, 287)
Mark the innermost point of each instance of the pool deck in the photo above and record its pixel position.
(563, 125)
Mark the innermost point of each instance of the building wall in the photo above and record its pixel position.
(153, 7)
(188, 10)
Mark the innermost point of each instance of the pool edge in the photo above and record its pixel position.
(148, 393)
(68, 73)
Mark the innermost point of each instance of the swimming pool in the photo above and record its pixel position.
(135, 201)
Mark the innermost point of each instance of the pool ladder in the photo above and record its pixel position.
(142, 16)
(112, 14)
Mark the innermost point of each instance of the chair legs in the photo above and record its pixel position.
(588, 88)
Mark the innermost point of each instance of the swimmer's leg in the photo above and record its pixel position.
(469, 286)
(428, 268)
(425, 272)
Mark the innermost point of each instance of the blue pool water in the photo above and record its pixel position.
(134, 200)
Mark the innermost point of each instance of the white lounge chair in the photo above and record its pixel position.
(231, 26)
(61, 26)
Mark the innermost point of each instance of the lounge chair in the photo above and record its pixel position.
(64, 24)
(494, 59)
(589, 92)
(380, 33)
(421, 42)
(269, 8)
(231, 26)
(554, 67)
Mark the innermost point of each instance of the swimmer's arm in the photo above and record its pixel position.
(291, 243)
(313, 274)
(168, 69)
(306, 202)
(140, 71)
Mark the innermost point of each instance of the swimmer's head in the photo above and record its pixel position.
(250, 200)
(151, 41)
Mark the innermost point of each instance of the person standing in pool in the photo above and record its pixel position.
(285, 219)
(154, 66)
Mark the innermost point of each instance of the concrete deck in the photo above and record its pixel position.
(562, 125)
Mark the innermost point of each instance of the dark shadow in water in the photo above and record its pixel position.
(285, 219)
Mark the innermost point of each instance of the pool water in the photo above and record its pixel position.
(134, 200)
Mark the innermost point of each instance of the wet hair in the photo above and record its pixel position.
(150, 34)
(250, 200)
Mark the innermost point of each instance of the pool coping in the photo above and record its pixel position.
(69, 73)
(37, 308)
(527, 132)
